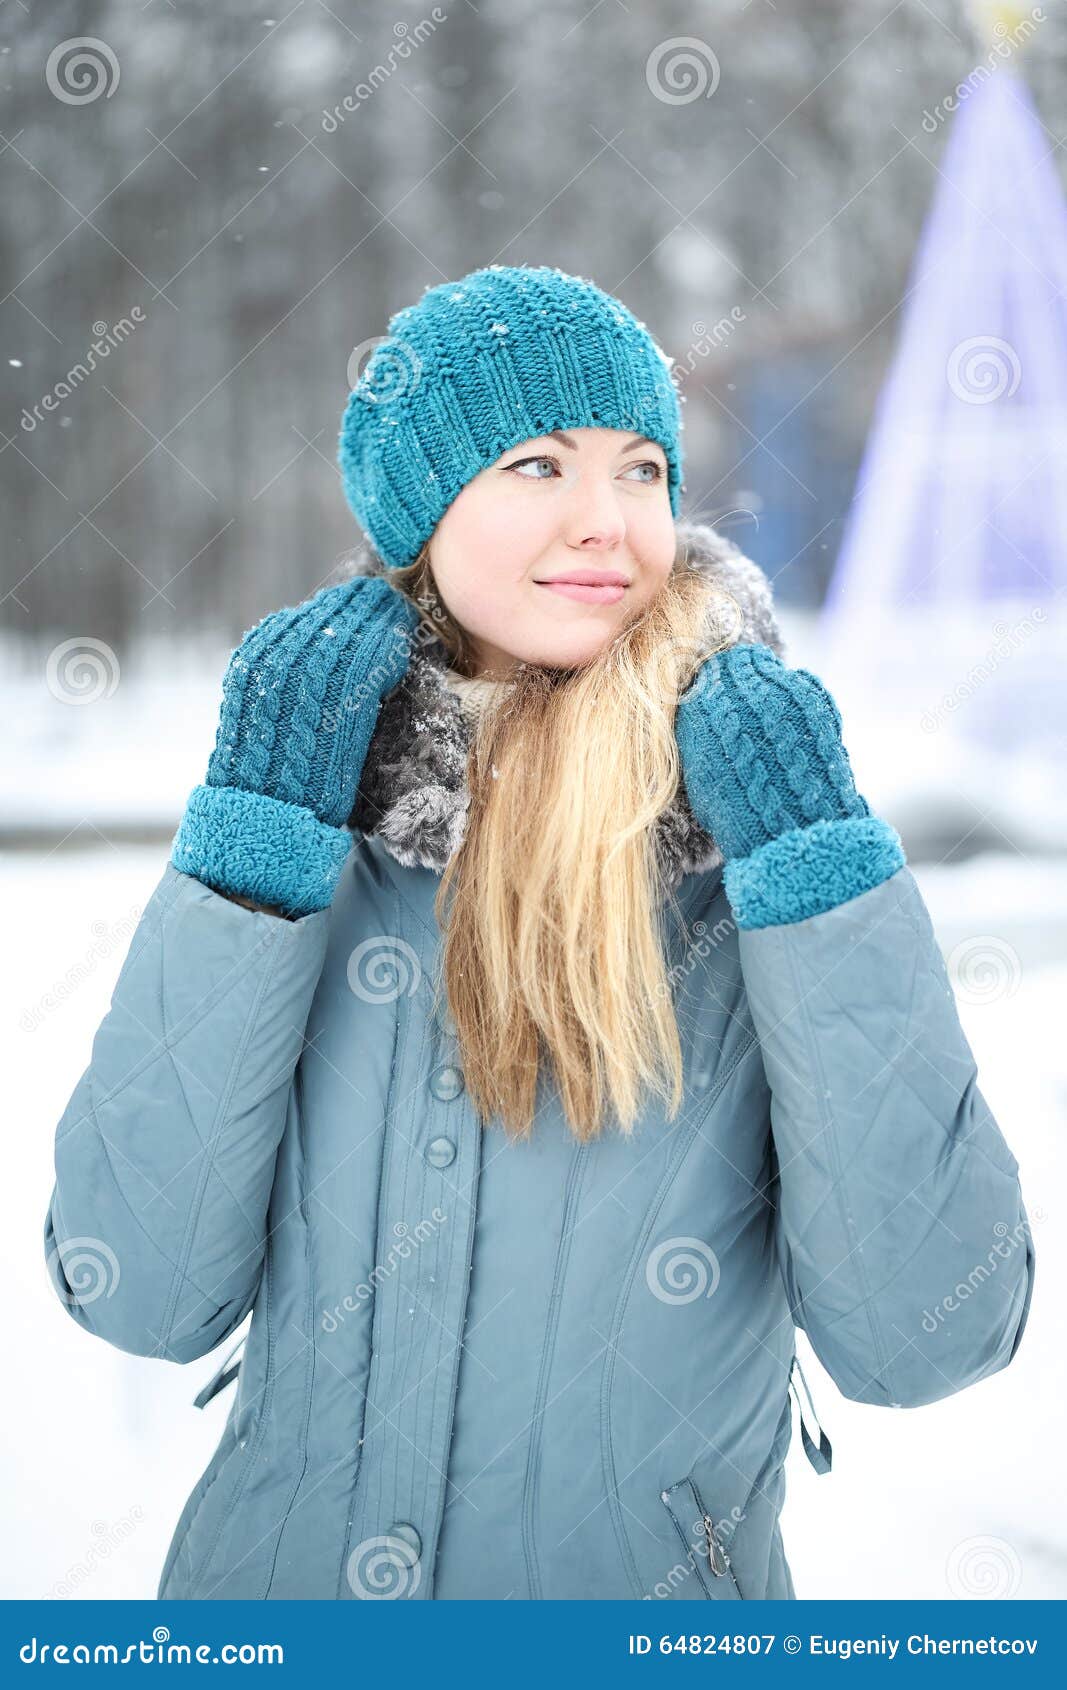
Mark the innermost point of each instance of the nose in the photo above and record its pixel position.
(594, 520)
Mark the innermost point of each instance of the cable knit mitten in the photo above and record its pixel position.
(300, 702)
(769, 779)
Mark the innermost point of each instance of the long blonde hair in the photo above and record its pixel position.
(552, 907)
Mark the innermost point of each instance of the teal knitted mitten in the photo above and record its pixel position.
(301, 697)
(768, 777)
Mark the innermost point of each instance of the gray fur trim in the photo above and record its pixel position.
(413, 793)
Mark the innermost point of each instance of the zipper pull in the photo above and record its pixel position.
(717, 1557)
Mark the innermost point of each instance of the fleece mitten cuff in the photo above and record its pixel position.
(811, 869)
(261, 848)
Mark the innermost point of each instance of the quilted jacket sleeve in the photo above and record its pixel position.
(902, 1233)
(164, 1156)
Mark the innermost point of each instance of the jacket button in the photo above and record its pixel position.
(407, 1534)
(446, 1083)
(440, 1152)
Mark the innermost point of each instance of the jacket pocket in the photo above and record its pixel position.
(697, 1530)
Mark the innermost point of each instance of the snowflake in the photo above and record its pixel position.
(328, 631)
(499, 328)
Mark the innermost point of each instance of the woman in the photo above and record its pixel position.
(532, 1025)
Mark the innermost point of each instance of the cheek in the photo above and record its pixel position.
(481, 533)
(483, 601)
(481, 586)
(653, 572)
(482, 564)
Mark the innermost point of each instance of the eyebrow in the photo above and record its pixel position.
(565, 440)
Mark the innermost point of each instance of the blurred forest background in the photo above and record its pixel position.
(188, 482)
(207, 212)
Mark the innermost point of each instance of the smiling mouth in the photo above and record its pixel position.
(605, 593)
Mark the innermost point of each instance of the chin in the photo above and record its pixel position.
(582, 647)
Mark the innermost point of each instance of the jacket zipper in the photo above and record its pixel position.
(718, 1560)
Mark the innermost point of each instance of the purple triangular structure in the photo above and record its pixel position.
(944, 634)
(962, 493)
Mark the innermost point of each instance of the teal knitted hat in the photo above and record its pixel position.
(477, 366)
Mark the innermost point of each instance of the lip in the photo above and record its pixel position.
(609, 591)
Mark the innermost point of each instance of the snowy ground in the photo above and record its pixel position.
(961, 1498)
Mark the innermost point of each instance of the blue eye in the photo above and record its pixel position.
(521, 462)
(650, 463)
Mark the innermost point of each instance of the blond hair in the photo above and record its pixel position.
(552, 908)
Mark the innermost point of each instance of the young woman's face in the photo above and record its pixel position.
(588, 501)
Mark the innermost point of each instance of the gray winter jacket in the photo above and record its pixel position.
(482, 1369)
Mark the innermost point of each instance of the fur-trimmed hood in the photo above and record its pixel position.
(413, 793)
